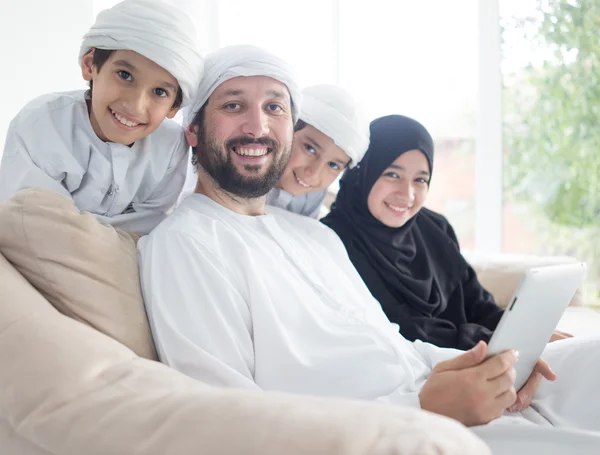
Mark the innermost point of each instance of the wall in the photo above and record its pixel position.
(39, 44)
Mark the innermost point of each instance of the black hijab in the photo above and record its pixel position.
(418, 263)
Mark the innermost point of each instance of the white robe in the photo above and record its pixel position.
(51, 144)
(308, 204)
(273, 302)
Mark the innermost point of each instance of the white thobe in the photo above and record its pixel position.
(308, 204)
(51, 144)
(273, 302)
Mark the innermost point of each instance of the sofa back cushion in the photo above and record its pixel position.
(500, 274)
(86, 270)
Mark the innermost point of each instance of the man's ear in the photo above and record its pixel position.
(173, 112)
(191, 134)
(87, 65)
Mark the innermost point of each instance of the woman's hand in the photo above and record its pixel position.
(524, 396)
(558, 335)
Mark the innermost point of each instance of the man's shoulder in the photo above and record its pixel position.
(293, 218)
(302, 225)
(197, 228)
(192, 219)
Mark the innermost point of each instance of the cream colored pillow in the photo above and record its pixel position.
(87, 270)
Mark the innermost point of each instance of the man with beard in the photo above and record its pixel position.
(244, 297)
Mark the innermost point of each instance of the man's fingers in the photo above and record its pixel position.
(468, 359)
(558, 335)
(507, 399)
(525, 395)
(544, 369)
(502, 383)
(499, 364)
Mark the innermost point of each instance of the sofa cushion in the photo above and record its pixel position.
(87, 270)
(500, 274)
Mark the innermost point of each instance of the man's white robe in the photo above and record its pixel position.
(273, 302)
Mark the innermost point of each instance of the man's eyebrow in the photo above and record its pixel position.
(277, 94)
(232, 92)
(240, 92)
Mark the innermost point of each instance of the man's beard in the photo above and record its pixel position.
(218, 163)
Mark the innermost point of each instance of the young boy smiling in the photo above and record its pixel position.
(331, 135)
(113, 148)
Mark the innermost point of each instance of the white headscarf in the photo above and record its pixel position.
(334, 112)
(243, 60)
(156, 29)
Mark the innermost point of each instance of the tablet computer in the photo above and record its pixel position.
(534, 312)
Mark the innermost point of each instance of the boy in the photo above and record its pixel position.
(113, 149)
(331, 135)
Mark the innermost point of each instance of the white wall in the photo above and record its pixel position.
(39, 44)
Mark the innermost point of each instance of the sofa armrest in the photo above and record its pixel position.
(500, 273)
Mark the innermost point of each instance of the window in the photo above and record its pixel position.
(399, 58)
(300, 32)
(551, 69)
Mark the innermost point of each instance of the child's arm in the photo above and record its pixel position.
(165, 194)
(144, 216)
(19, 169)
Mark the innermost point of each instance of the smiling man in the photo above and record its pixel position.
(245, 158)
(242, 296)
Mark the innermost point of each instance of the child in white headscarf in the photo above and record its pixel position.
(113, 148)
(331, 135)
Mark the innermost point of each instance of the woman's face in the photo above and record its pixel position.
(401, 190)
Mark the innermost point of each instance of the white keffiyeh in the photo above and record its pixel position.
(156, 29)
(335, 113)
(243, 60)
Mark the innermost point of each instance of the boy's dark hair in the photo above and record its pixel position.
(300, 124)
(101, 56)
(199, 122)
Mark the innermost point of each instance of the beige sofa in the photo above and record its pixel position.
(67, 389)
(79, 374)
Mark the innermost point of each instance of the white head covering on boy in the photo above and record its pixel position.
(156, 29)
(243, 60)
(334, 112)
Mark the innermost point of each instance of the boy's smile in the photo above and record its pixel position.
(315, 163)
(125, 120)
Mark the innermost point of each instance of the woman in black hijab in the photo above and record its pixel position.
(408, 255)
